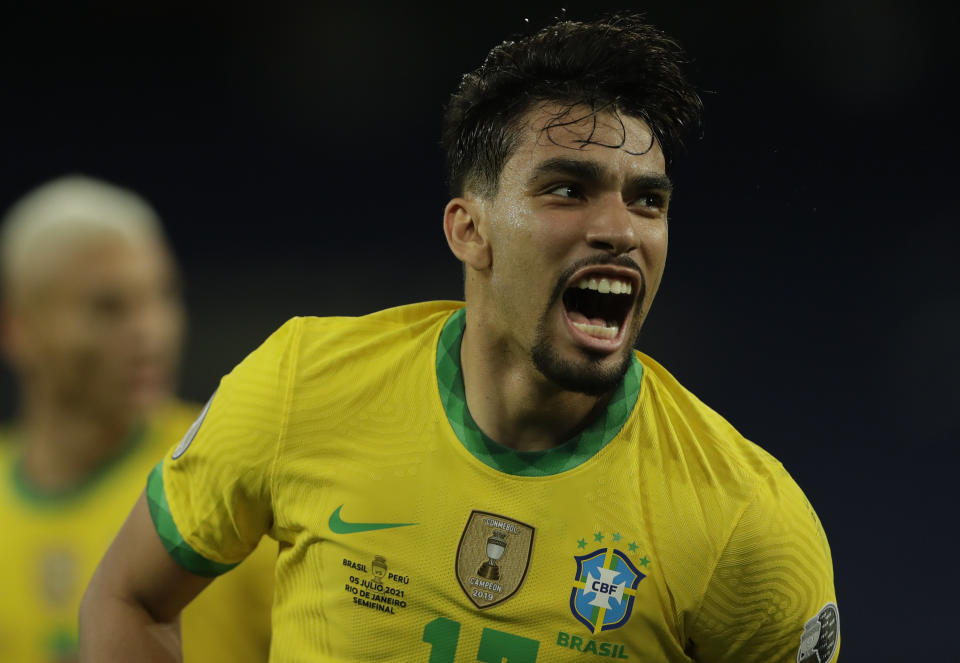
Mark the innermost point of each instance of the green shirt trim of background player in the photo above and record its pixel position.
(32, 494)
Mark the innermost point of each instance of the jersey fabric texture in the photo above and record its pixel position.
(406, 534)
(53, 543)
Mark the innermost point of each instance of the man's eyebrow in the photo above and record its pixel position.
(651, 182)
(591, 171)
(576, 168)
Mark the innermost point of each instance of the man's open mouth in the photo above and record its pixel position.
(598, 302)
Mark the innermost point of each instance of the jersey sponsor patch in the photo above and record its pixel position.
(192, 431)
(493, 557)
(820, 636)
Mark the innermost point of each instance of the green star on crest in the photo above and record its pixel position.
(616, 536)
(582, 543)
(643, 561)
(633, 546)
(598, 536)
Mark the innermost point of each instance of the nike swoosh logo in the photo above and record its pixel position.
(339, 526)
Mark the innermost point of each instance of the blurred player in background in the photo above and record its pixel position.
(92, 324)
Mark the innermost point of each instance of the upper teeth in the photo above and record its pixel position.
(616, 286)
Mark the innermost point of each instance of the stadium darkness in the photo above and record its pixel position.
(810, 295)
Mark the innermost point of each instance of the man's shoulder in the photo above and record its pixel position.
(304, 337)
(380, 332)
(698, 425)
(336, 355)
(408, 316)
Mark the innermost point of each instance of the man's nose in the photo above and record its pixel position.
(612, 227)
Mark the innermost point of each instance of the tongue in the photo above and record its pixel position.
(577, 316)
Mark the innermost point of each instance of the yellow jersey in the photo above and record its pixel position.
(658, 534)
(53, 543)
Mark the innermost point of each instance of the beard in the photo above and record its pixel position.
(590, 374)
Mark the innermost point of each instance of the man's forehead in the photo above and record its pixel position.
(552, 130)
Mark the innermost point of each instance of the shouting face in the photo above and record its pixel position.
(576, 236)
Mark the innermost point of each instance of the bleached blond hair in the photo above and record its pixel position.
(63, 215)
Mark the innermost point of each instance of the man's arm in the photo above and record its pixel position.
(130, 611)
(771, 597)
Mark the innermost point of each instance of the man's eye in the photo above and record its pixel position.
(566, 191)
(653, 200)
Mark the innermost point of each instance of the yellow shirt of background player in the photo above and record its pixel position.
(52, 544)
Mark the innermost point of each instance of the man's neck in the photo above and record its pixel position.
(513, 403)
(63, 446)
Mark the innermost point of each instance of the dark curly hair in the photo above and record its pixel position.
(618, 63)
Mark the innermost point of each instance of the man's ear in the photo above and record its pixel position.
(461, 225)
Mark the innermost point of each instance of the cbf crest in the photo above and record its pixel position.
(493, 557)
(604, 589)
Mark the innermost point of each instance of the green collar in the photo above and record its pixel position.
(37, 497)
(564, 457)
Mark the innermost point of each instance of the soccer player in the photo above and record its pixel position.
(91, 325)
(505, 479)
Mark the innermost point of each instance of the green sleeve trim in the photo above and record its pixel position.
(172, 540)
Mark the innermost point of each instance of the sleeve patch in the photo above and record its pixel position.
(172, 540)
(820, 636)
(192, 431)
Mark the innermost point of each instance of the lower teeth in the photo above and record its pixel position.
(599, 331)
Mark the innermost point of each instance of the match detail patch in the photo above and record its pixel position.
(820, 636)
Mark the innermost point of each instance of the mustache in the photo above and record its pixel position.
(593, 261)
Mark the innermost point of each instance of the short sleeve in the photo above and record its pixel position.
(771, 596)
(211, 498)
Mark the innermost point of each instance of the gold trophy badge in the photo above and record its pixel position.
(496, 546)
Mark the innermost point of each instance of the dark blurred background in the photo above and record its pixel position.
(811, 294)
